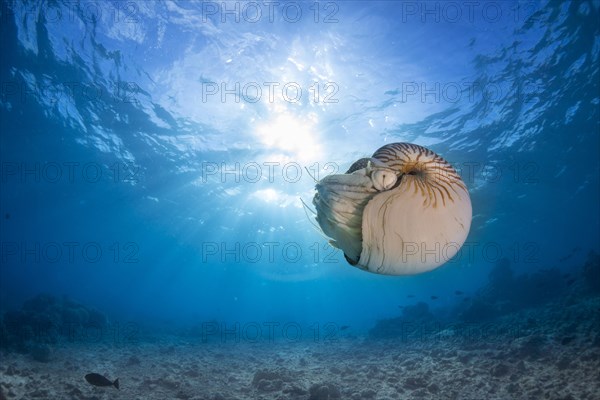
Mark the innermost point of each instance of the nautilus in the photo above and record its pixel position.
(403, 211)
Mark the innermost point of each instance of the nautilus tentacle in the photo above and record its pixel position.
(344, 197)
(403, 211)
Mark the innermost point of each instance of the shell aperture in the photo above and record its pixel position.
(403, 211)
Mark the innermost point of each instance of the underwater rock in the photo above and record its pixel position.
(168, 384)
(521, 290)
(506, 293)
(40, 304)
(133, 360)
(45, 320)
(500, 278)
(596, 340)
(414, 383)
(417, 312)
(294, 391)
(567, 339)
(591, 271)
(513, 389)
(563, 363)
(500, 370)
(478, 311)
(433, 388)
(538, 288)
(268, 381)
(191, 373)
(416, 320)
(324, 391)
(368, 394)
(3, 333)
(183, 395)
(40, 352)
(18, 329)
(531, 347)
(11, 371)
(269, 385)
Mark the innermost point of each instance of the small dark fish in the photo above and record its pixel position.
(434, 297)
(99, 380)
(7, 216)
(410, 296)
(570, 282)
(344, 327)
(458, 293)
(466, 299)
(400, 306)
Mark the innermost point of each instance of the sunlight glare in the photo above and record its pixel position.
(292, 135)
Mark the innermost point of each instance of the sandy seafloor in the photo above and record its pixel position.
(552, 352)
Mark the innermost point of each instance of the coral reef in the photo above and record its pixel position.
(535, 362)
(506, 292)
(45, 320)
(519, 337)
(591, 272)
(414, 318)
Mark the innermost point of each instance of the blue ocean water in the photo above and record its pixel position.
(155, 154)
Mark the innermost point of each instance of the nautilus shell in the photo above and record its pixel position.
(403, 211)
